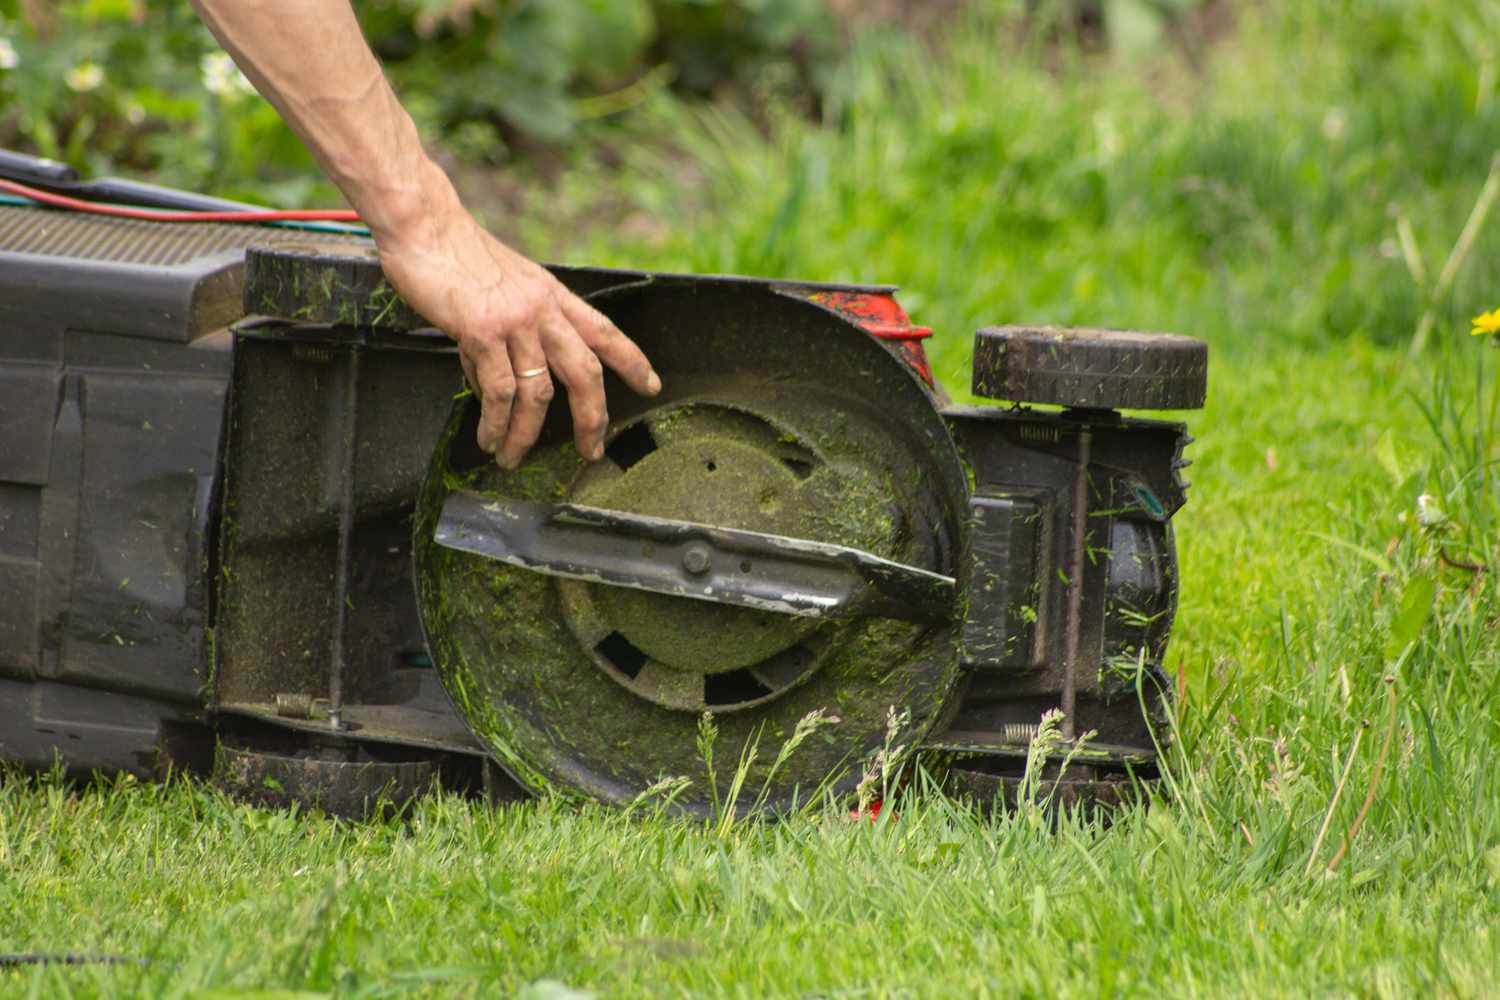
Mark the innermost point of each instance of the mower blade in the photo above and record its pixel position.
(684, 559)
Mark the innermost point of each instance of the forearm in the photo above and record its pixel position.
(514, 324)
(310, 59)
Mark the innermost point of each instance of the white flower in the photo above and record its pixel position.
(1429, 514)
(134, 113)
(84, 77)
(221, 76)
(8, 57)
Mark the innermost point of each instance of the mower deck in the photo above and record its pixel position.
(216, 476)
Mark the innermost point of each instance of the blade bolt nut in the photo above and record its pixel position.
(697, 559)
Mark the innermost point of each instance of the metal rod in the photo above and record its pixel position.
(1075, 583)
(346, 533)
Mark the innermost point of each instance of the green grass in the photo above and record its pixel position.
(999, 184)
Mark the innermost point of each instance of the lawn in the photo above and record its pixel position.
(1330, 822)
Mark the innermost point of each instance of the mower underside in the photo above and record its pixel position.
(244, 526)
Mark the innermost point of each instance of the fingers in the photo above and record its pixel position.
(487, 366)
(580, 370)
(511, 371)
(612, 347)
(509, 316)
(471, 380)
(533, 391)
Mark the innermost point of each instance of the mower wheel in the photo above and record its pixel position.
(1090, 368)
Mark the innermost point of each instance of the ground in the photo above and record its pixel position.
(1330, 824)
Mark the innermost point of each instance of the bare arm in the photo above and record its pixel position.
(508, 316)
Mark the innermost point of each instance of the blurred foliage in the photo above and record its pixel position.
(124, 85)
(1256, 196)
(120, 84)
(484, 74)
(1129, 28)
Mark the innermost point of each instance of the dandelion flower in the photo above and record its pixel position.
(1486, 324)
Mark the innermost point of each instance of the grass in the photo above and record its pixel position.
(1248, 203)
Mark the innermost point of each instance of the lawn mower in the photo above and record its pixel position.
(245, 529)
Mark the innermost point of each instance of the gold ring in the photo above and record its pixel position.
(532, 372)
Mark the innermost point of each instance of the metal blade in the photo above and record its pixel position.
(684, 559)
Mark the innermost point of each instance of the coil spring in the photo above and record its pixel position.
(1019, 732)
(1041, 433)
(317, 354)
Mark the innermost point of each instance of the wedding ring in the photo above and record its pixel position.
(532, 372)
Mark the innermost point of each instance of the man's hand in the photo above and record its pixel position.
(515, 325)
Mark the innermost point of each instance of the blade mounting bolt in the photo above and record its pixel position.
(697, 559)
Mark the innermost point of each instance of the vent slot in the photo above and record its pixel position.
(622, 654)
(631, 445)
(732, 688)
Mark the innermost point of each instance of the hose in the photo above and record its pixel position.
(153, 215)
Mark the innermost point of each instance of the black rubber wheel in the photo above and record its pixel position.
(1090, 368)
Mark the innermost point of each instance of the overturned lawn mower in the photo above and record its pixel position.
(245, 526)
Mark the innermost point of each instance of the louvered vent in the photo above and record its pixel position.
(129, 241)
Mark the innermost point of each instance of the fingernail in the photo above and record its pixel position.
(653, 383)
(506, 462)
(596, 452)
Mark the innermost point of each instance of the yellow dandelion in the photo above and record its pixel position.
(1486, 323)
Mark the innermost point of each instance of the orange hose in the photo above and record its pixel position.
(153, 215)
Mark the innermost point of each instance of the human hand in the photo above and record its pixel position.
(516, 326)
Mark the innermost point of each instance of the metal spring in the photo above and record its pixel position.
(1041, 433)
(1019, 732)
(318, 354)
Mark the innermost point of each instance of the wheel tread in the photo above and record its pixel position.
(1090, 368)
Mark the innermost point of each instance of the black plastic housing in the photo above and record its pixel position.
(205, 531)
